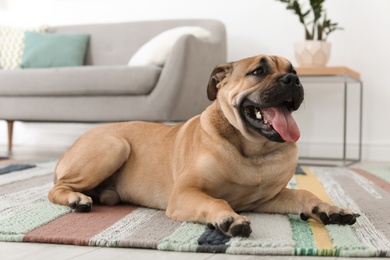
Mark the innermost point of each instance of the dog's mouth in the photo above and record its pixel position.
(274, 122)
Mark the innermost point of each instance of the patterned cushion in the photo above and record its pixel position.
(12, 45)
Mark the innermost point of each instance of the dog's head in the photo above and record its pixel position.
(257, 95)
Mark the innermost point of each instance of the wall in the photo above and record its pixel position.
(253, 27)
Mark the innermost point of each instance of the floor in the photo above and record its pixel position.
(31, 251)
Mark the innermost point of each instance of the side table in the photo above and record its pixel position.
(344, 77)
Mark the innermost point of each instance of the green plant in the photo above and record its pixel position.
(316, 28)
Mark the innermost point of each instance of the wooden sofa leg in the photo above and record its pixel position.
(10, 126)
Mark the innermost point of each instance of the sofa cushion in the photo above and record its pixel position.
(12, 45)
(156, 51)
(54, 50)
(80, 81)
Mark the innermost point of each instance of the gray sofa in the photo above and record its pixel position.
(106, 89)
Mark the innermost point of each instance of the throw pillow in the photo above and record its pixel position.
(12, 45)
(54, 50)
(156, 51)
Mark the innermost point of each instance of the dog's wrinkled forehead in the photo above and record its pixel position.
(268, 65)
(246, 73)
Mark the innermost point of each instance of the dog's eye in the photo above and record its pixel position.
(258, 71)
(294, 72)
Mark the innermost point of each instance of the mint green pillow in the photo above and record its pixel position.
(54, 50)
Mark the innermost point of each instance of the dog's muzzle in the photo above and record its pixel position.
(269, 111)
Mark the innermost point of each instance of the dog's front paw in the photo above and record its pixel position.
(328, 214)
(233, 226)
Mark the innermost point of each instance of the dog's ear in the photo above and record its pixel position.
(218, 74)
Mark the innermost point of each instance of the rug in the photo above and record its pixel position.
(16, 167)
(3, 158)
(27, 216)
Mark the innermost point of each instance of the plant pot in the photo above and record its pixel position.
(312, 53)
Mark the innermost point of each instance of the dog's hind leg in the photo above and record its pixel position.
(109, 197)
(92, 160)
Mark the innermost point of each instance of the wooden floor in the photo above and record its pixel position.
(33, 251)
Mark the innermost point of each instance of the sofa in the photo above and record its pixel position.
(106, 89)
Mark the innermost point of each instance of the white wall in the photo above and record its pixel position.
(253, 27)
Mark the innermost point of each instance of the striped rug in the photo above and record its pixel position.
(27, 216)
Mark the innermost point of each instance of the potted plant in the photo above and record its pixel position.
(315, 50)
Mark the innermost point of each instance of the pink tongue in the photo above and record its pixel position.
(283, 122)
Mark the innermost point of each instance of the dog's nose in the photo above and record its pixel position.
(290, 79)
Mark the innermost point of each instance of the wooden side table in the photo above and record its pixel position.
(343, 76)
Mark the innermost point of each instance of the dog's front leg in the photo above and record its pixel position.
(191, 204)
(307, 205)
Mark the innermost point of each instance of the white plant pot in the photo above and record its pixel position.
(312, 53)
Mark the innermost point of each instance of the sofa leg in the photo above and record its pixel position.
(10, 126)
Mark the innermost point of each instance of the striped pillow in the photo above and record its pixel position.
(12, 45)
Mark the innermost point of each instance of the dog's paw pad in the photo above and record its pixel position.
(80, 203)
(210, 226)
(241, 230)
(335, 218)
(225, 225)
(73, 205)
(84, 207)
(329, 214)
(339, 217)
(235, 227)
(348, 219)
(80, 207)
(304, 217)
(324, 218)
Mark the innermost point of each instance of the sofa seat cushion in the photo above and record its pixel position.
(80, 81)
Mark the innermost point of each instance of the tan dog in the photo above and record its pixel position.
(238, 155)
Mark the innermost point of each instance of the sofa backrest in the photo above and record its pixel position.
(115, 43)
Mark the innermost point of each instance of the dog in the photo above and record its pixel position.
(237, 155)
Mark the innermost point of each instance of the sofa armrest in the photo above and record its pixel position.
(181, 89)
